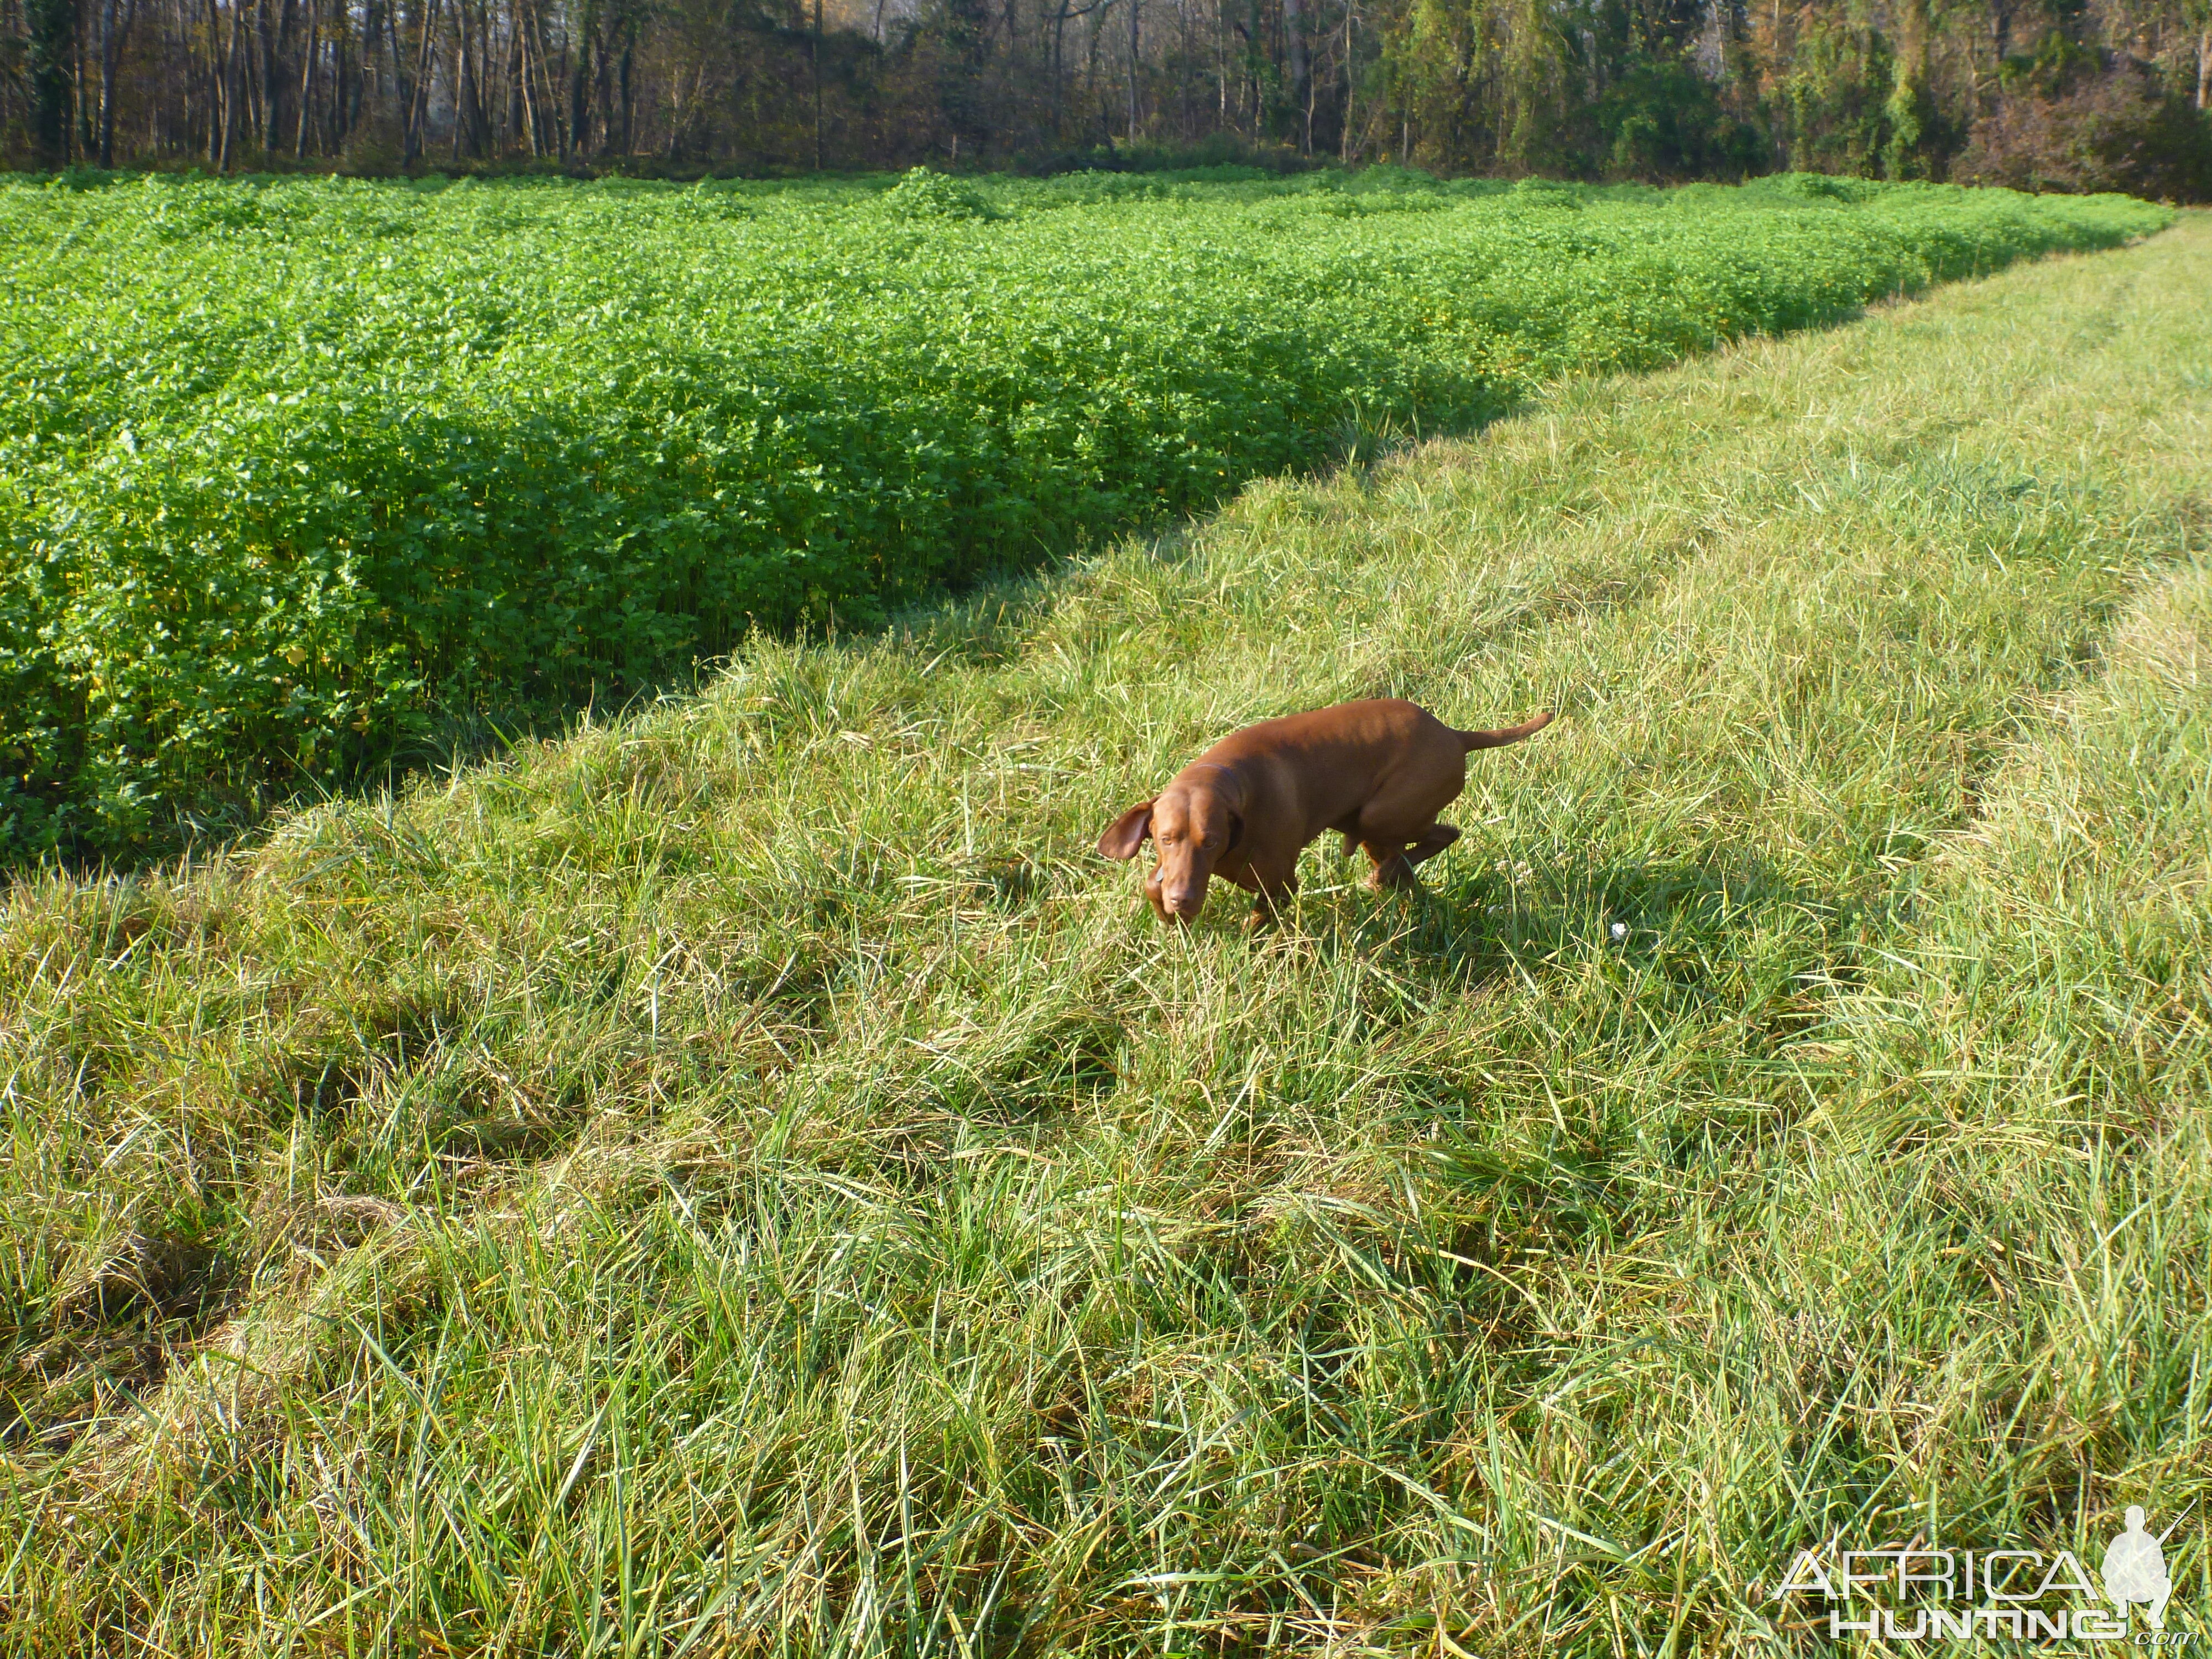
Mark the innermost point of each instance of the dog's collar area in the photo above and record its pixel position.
(1216, 766)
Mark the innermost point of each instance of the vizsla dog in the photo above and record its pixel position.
(1377, 772)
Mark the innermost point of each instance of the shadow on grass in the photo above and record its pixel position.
(452, 740)
(1467, 930)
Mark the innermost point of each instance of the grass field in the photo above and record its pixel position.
(298, 475)
(748, 1179)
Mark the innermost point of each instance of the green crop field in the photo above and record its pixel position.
(294, 476)
(746, 1178)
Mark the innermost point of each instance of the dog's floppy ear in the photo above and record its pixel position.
(1235, 831)
(1129, 832)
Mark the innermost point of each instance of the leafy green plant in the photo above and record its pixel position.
(922, 194)
(288, 468)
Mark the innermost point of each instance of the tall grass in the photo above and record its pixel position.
(747, 1179)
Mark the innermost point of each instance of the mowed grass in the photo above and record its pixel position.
(748, 1179)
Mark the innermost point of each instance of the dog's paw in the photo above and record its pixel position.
(1395, 877)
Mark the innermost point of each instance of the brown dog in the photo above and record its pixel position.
(1377, 772)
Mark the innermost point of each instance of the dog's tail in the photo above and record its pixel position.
(1475, 740)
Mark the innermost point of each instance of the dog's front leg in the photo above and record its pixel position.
(1275, 889)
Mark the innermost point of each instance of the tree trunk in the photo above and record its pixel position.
(1294, 57)
(418, 102)
(230, 89)
(306, 81)
(628, 109)
(579, 83)
(544, 89)
(272, 83)
(400, 84)
(355, 87)
(52, 28)
(490, 108)
(112, 39)
(460, 75)
(1133, 60)
(81, 132)
(1344, 148)
(528, 115)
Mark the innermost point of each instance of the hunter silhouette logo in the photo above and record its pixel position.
(2135, 1569)
(1967, 1595)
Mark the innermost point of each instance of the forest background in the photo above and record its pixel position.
(2045, 94)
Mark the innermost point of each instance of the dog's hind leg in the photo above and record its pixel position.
(1431, 841)
(1392, 867)
(1394, 859)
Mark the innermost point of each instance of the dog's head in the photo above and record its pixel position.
(1194, 823)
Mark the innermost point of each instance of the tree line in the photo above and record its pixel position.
(2068, 94)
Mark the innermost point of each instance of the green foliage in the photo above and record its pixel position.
(286, 469)
(1835, 99)
(2057, 66)
(922, 194)
(1666, 122)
